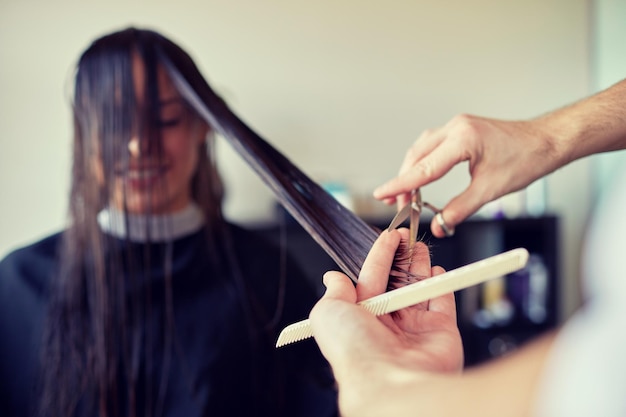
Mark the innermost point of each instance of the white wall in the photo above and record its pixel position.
(608, 67)
(342, 87)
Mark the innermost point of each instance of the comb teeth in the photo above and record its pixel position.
(377, 307)
(294, 333)
(302, 329)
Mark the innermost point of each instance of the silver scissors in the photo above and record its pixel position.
(412, 210)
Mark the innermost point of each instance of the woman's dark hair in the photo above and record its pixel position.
(92, 329)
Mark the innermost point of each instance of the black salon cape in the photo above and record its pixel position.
(214, 378)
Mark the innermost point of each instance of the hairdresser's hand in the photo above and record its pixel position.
(503, 156)
(373, 357)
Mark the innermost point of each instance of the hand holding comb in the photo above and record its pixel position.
(457, 279)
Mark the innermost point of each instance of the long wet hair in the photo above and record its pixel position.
(90, 341)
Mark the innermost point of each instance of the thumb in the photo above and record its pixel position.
(339, 287)
(460, 208)
(328, 314)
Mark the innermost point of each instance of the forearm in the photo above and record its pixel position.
(507, 386)
(504, 387)
(593, 125)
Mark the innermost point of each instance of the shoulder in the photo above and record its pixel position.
(273, 268)
(30, 266)
(255, 249)
(248, 237)
(24, 281)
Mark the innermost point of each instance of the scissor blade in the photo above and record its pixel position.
(400, 217)
(413, 226)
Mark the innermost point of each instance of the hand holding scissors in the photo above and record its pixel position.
(412, 210)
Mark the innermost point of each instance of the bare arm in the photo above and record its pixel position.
(593, 125)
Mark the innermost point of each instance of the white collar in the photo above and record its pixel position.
(153, 228)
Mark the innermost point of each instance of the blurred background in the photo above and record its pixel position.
(342, 87)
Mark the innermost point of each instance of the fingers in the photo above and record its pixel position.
(425, 144)
(420, 260)
(419, 266)
(339, 287)
(375, 270)
(336, 306)
(462, 206)
(375, 273)
(444, 304)
(340, 326)
(423, 164)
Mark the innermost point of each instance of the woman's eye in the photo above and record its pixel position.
(169, 122)
(171, 113)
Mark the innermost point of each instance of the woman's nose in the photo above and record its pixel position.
(134, 147)
(137, 147)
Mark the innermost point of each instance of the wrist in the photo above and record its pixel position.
(593, 125)
(554, 141)
(381, 390)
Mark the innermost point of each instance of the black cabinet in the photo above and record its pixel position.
(498, 316)
(495, 317)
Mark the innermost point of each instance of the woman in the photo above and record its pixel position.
(150, 303)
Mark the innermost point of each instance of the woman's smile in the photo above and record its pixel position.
(144, 176)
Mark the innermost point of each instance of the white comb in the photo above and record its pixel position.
(457, 279)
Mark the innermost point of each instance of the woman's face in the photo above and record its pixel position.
(158, 181)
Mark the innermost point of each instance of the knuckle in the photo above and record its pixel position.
(426, 133)
(425, 169)
(465, 127)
